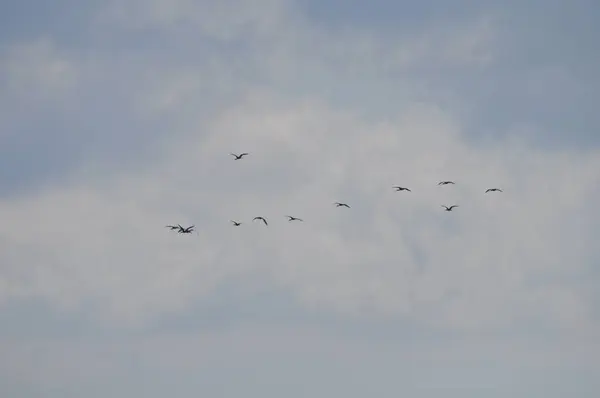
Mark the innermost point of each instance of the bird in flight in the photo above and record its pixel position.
(294, 218)
(261, 218)
(237, 224)
(445, 182)
(187, 230)
(450, 208)
(401, 189)
(180, 229)
(338, 204)
(238, 157)
(493, 190)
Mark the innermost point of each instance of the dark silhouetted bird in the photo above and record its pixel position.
(237, 224)
(450, 208)
(401, 189)
(294, 218)
(493, 190)
(338, 204)
(445, 182)
(238, 157)
(261, 218)
(187, 230)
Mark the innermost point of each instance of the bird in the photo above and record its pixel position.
(261, 218)
(445, 182)
(338, 204)
(174, 227)
(401, 189)
(187, 230)
(238, 157)
(450, 208)
(493, 190)
(237, 224)
(294, 218)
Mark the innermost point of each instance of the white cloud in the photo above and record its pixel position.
(391, 254)
(478, 266)
(501, 290)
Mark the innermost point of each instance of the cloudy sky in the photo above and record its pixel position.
(118, 117)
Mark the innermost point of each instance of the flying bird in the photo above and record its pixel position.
(445, 182)
(338, 204)
(173, 227)
(401, 189)
(187, 230)
(294, 218)
(237, 224)
(261, 218)
(493, 190)
(450, 208)
(238, 157)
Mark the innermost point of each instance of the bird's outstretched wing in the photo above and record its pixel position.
(262, 219)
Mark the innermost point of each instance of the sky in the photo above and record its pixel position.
(118, 118)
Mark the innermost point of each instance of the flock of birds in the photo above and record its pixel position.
(190, 229)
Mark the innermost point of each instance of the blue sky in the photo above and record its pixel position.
(118, 117)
